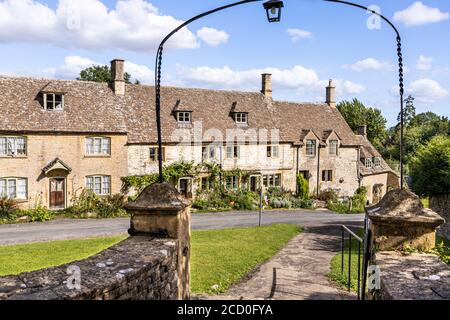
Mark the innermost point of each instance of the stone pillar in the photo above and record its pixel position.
(441, 204)
(401, 221)
(160, 210)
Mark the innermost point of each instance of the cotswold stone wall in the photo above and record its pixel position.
(139, 268)
(441, 204)
(412, 277)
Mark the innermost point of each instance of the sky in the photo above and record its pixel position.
(315, 41)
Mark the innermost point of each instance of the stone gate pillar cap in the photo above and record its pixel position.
(163, 197)
(403, 206)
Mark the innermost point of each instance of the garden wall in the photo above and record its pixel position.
(412, 277)
(441, 204)
(139, 268)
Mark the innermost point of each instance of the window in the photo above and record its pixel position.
(207, 183)
(327, 175)
(241, 118)
(272, 180)
(272, 152)
(154, 154)
(232, 183)
(53, 101)
(310, 147)
(14, 188)
(184, 117)
(98, 146)
(334, 147)
(377, 161)
(369, 163)
(101, 185)
(305, 174)
(233, 152)
(209, 153)
(13, 146)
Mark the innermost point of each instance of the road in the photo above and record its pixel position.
(76, 229)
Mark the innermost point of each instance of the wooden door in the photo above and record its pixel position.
(57, 193)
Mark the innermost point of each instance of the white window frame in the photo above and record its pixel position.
(369, 163)
(97, 146)
(9, 188)
(209, 153)
(184, 117)
(241, 117)
(232, 183)
(233, 152)
(311, 145)
(53, 101)
(377, 162)
(272, 180)
(273, 151)
(326, 175)
(97, 183)
(154, 158)
(9, 146)
(334, 147)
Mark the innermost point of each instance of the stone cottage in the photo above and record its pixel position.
(58, 137)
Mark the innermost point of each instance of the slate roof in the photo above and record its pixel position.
(92, 107)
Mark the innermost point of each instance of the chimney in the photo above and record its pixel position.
(117, 76)
(331, 94)
(362, 130)
(267, 85)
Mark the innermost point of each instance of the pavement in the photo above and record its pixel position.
(297, 272)
(65, 229)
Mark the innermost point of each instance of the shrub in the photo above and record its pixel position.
(303, 187)
(328, 195)
(8, 208)
(38, 214)
(103, 207)
(339, 207)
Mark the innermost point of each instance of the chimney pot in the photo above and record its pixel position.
(362, 130)
(331, 94)
(118, 76)
(267, 85)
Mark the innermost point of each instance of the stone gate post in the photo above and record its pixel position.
(161, 211)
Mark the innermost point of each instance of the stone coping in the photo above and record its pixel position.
(413, 277)
(102, 276)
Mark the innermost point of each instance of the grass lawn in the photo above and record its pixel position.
(29, 257)
(219, 257)
(336, 264)
(224, 257)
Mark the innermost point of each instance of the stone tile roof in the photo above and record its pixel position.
(92, 107)
(369, 151)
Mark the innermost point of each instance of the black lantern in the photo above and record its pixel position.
(273, 9)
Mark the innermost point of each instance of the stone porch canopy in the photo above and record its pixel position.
(56, 164)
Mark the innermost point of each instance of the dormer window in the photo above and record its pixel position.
(310, 147)
(241, 118)
(184, 117)
(53, 101)
(334, 145)
(377, 161)
(369, 163)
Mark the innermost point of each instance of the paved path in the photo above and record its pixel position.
(74, 229)
(298, 272)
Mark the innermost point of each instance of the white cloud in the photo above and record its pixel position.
(427, 90)
(297, 34)
(419, 14)
(213, 37)
(74, 64)
(424, 63)
(298, 79)
(134, 25)
(369, 64)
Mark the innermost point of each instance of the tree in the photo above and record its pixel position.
(430, 168)
(357, 114)
(101, 74)
(409, 112)
(303, 187)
